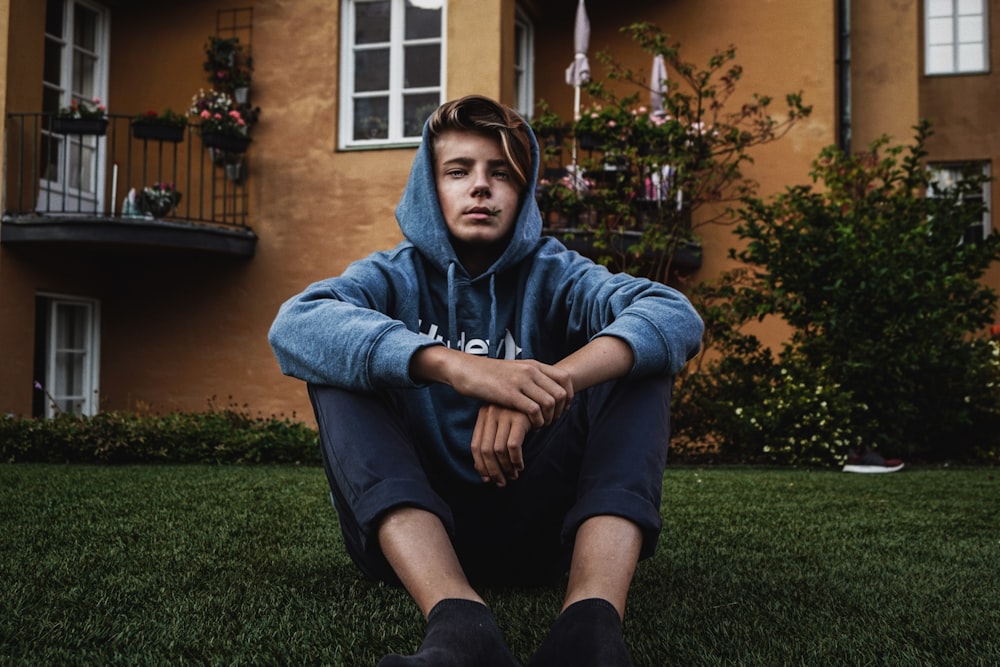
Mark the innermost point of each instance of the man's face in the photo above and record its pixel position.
(478, 196)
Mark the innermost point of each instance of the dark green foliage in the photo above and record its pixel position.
(225, 436)
(884, 302)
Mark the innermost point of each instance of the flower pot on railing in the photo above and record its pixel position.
(229, 143)
(157, 201)
(234, 171)
(98, 126)
(589, 141)
(158, 131)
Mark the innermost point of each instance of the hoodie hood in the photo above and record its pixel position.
(420, 219)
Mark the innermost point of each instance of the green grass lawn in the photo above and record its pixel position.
(243, 565)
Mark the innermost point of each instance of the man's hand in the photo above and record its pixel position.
(539, 391)
(497, 443)
(518, 395)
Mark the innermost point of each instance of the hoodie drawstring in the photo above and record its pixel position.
(452, 307)
(494, 351)
(495, 336)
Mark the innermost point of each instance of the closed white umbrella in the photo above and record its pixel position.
(657, 84)
(661, 179)
(578, 73)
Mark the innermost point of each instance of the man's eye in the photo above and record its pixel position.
(455, 173)
(501, 175)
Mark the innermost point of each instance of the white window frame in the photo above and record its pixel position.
(952, 171)
(86, 401)
(524, 65)
(396, 91)
(58, 193)
(945, 22)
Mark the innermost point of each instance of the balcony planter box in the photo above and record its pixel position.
(226, 142)
(97, 126)
(158, 132)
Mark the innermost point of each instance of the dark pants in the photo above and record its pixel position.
(604, 456)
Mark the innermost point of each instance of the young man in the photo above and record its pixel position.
(492, 407)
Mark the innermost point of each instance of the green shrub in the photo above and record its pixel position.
(225, 436)
(885, 304)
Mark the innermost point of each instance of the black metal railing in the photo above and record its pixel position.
(60, 171)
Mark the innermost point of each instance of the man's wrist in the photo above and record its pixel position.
(430, 364)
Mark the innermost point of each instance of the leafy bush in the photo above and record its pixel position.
(225, 436)
(884, 302)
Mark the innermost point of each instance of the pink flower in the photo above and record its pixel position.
(205, 114)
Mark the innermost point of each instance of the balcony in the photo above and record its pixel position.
(70, 187)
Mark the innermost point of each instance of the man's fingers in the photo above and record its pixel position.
(481, 434)
(498, 444)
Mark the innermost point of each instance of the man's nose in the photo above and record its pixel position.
(480, 185)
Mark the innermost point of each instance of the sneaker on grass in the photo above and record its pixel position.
(869, 461)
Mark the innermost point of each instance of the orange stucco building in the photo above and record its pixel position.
(106, 308)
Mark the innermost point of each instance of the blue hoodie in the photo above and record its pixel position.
(538, 301)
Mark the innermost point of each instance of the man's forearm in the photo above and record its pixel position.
(602, 359)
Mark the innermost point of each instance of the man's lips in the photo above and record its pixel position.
(482, 212)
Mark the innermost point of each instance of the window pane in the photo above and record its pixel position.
(371, 118)
(82, 175)
(51, 150)
(423, 19)
(939, 8)
(940, 31)
(970, 29)
(53, 61)
(940, 59)
(84, 75)
(371, 70)
(371, 22)
(70, 334)
(970, 58)
(69, 374)
(51, 99)
(54, 17)
(966, 7)
(85, 28)
(422, 66)
(416, 109)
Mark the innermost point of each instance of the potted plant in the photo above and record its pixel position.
(221, 124)
(158, 199)
(599, 128)
(82, 117)
(166, 126)
(228, 65)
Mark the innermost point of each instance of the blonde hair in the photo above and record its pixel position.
(476, 113)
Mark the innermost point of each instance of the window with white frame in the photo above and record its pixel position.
(392, 69)
(75, 68)
(524, 59)
(956, 36)
(947, 176)
(67, 355)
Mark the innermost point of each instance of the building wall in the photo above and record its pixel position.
(963, 110)
(180, 331)
(885, 69)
